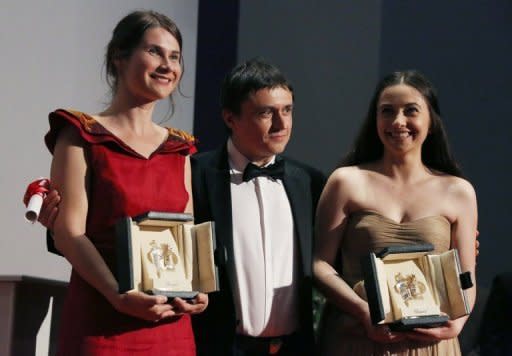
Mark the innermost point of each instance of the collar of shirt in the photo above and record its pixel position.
(237, 161)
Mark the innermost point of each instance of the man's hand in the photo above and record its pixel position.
(49, 209)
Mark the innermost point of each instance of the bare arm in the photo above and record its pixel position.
(330, 219)
(69, 176)
(463, 198)
(463, 232)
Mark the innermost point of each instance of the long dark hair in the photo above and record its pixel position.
(435, 152)
(127, 36)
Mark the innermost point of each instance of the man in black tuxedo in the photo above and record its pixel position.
(263, 205)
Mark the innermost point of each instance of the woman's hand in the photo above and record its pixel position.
(449, 330)
(198, 304)
(155, 307)
(380, 333)
(144, 306)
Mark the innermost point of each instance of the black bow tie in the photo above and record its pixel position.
(275, 171)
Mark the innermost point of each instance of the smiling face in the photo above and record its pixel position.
(263, 127)
(153, 70)
(403, 119)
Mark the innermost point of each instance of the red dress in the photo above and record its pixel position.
(122, 183)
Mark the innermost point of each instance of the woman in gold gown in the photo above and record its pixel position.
(399, 186)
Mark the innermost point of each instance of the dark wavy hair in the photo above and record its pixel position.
(128, 34)
(435, 152)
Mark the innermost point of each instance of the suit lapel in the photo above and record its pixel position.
(219, 190)
(298, 191)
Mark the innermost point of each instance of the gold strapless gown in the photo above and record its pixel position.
(368, 231)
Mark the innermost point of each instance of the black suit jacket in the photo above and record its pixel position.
(215, 328)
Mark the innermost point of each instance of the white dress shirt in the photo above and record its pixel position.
(266, 293)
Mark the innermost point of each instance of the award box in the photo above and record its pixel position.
(407, 288)
(166, 254)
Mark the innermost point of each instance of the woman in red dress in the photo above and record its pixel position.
(120, 163)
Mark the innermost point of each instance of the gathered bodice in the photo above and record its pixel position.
(368, 231)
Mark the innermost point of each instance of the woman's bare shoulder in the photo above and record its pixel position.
(458, 188)
(349, 173)
(346, 184)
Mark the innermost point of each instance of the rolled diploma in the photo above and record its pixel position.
(34, 207)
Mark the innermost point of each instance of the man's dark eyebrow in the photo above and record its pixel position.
(264, 107)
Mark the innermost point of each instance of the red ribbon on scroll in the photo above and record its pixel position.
(34, 195)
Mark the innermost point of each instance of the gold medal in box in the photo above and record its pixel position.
(166, 254)
(407, 288)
